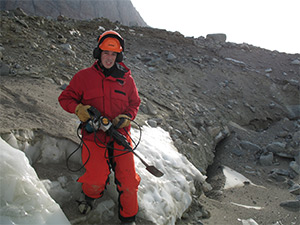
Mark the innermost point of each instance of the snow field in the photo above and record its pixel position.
(161, 200)
(24, 199)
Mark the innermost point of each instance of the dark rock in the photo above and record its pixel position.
(22, 22)
(294, 111)
(295, 167)
(217, 37)
(282, 172)
(291, 204)
(151, 108)
(295, 189)
(277, 177)
(295, 62)
(64, 86)
(237, 152)
(276, 147)
(4, 69)
(266, 159)
(152, 123)
(171, 57)
(297, 158)
(19, 12)
(247, 145)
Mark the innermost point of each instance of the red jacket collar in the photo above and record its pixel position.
(121, 66)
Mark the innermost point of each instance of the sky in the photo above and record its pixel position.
(270, 24)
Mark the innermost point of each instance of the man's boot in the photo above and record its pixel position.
(85, 204)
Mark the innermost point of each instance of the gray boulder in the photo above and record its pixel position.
(218, 37)
(266, 159)
(247, 145)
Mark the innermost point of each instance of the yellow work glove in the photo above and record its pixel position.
(125, 123)
(82, 113)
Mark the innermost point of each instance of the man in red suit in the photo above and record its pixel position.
(109, 87)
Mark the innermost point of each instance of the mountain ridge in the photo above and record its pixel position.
(114, 10)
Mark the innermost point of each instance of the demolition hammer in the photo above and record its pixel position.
(99, 122)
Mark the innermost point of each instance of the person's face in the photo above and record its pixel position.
(108, 58)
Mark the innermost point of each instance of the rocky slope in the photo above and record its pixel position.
(224, 104)
(115, 10)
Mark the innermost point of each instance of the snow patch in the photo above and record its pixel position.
(235, 179)
(161, 200)
(248, 221)
(42, 148)
(247, 206)
(24, 199)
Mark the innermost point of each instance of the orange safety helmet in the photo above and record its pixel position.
(110, 41)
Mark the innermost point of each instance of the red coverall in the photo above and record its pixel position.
(112, 95)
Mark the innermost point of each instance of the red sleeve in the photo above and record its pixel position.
(72, 95)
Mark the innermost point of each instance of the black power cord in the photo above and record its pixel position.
(125, 150)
